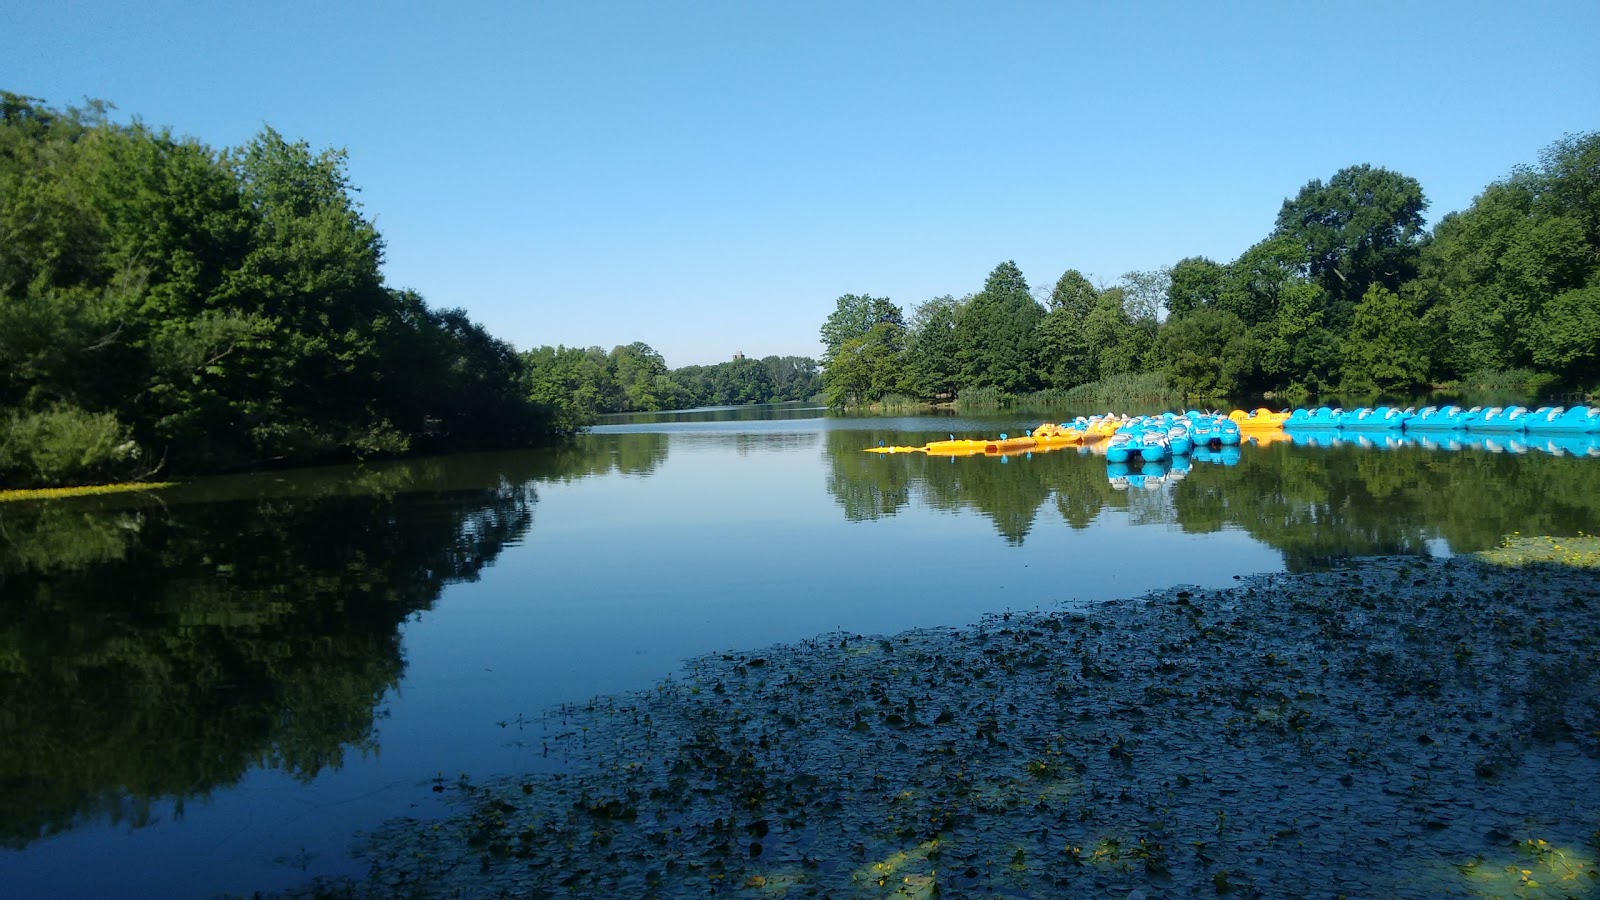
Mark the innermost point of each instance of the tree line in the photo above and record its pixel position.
(578, 384)
(166, 306)
(1349, 294)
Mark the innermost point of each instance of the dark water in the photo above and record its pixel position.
(213, 688)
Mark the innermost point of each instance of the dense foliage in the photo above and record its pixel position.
(577, 384)
(1348, 294)
(166, 305)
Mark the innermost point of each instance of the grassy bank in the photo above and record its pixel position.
(1401, 728)
(1117, 392)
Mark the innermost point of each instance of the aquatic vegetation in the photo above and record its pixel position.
(1532, 868)
(88, 490)
(1298, 735)
(1581, 550)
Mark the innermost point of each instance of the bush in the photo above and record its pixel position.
(1508, 385)
(901, 403)
(1122, 391)
(64, 445)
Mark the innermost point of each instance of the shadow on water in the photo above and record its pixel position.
(1315, 505)
(155, 648)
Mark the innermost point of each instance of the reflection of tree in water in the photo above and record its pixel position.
(630, 454)
(1317, 506)
(868, 485)
(159, 647)
(1009, 491)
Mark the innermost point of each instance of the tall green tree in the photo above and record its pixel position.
(636, 371)
(1207, 352)
(1492, 271)
(867, 368)
(1194, 283)
(792, 377)
(1064, 351)
(573, 384)
(1144, 294)
(1385, 349)
(996, 335)
(1117, 344)
(1363, 227)
(932, 364)
(1567, 339)
(854, 315)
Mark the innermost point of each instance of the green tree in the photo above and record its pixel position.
(1064, 351)
(1194, 283)
(218, 310)
(1492, 271)
(996, 337)
(636, 371)
(572, 384)
(1144, 294)
(740, 381)
(1207, 352)
(867, 368)
(1363, 227)
(792, 377)
(933, 368)
(1116, 343)
(1384, 350)
(854, 315)
(1567, 339)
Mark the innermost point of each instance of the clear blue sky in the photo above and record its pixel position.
(710, 177)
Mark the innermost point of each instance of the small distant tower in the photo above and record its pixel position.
(738, 354)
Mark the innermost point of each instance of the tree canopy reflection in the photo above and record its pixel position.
(1315, 505)
(158, 647)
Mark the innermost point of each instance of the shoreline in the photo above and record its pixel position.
(1399, 727)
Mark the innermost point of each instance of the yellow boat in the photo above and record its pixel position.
(996, 447)
(1100, 429)
(1260, 419)
(1006, 445)
(955, 448)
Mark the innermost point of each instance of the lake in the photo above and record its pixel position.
(214, 688)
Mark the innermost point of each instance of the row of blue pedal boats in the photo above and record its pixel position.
(1493, 419)
(1555, 430)
(1168, 435)
(1134, 473)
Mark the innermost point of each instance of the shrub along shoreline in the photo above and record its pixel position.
(1401, 727)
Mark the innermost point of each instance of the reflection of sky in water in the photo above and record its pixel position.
(732, 541)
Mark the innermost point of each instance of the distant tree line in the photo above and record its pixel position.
(578, 384)
(1349, 294)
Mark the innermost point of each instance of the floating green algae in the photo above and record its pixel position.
(88, 490)
(1581, 550)
(1386, 730)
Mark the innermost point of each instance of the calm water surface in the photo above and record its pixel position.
(214, 688)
